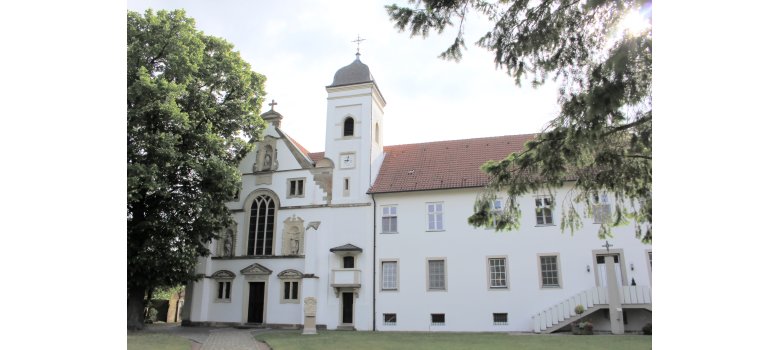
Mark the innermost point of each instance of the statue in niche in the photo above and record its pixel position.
(293, 236)
(267, 159)
(227, 244)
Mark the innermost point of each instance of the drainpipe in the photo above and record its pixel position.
(373, 289)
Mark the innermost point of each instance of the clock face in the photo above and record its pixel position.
(347, 160)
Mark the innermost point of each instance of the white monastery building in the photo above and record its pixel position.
(366, 236)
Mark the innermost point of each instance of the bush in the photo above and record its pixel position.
(151, 316)
(579, 309)
(648, 329)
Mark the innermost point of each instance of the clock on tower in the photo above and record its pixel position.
(347, 161)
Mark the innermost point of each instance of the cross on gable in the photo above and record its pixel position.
(607, 245)
(272, 104)
(358, 40)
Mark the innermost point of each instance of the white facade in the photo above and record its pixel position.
(322, 218)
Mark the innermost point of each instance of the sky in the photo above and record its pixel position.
(299, 45)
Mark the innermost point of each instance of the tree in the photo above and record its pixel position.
(602, 137)
(193, 111)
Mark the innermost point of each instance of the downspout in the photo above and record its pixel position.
(373, 289)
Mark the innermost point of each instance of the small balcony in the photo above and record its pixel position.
(345, 278)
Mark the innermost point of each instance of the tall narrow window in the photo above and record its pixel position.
(349, 126)
(261, 226)
(497, 268)
(290, 291)
(223, 291)
(389, 275)
(544, 210)
(435, 216)
(436, 275)
(389, 219)
(548, 265)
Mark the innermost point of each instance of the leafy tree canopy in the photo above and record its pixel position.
(193, 111)
(602, 137)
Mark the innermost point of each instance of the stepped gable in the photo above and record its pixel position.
(443, 164)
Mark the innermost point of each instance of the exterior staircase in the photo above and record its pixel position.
(562, 314)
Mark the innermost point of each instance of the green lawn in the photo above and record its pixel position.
(156, 341)
(449, 341)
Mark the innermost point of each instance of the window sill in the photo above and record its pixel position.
(498, 288)
(436, 290)
(551, 287)
(388, 233)
(389, 290)
(544, 225)
(222, 301)
(435, 230)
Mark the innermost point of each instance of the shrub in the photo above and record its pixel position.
(151, 317)
(579, 309)
(648, 329)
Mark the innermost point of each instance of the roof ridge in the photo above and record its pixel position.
(455, 140)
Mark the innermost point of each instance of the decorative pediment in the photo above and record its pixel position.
(290, 274)
(256, 269)
(223, 274)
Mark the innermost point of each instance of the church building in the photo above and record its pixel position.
(368, 236)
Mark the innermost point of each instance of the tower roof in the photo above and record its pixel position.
(355, 73)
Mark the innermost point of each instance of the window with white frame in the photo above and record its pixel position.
(497, 268)
(437, 274)
(390, 219)
(437, 319)
(549, 271)
(223, 291)
(435, 216)
(390, 319)
(544, 210)
(601, 208)
(500, 319)
(389, 275)
(496, 208)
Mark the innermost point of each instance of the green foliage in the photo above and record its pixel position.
(193, 111)
(579, 309)
(165, 293)
(602, 138)
(647, 329)
(151, 315)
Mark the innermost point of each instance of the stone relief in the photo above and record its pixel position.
(265, 158)
(310, 306)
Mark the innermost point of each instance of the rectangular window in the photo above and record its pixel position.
(601, 208)
(295, 188)
(390, 219)
(501, 319)
(497, 267)
(436, 275)
(291, 291)
(390, 319)
(389, 275)
(435, 216)
(437, 319)
(223, 291)
(548, 265)
(544, 210)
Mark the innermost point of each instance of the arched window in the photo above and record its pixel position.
(349, 126)
(261, 226)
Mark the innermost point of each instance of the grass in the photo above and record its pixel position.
(450, 341)
(156, 341)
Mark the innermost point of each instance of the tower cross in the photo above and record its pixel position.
(358, 40)
(607, 245)
(272, 104)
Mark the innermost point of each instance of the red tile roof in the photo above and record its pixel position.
(443, 164)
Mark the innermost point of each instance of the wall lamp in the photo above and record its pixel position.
(587, 267)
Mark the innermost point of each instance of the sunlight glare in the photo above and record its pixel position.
(635, 22)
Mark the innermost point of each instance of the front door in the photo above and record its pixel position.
(347, 303)
(256, 302)
(601, 269)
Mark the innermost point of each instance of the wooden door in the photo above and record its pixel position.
(256, 302)
(347, 303)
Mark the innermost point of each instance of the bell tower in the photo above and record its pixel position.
(354, 131)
